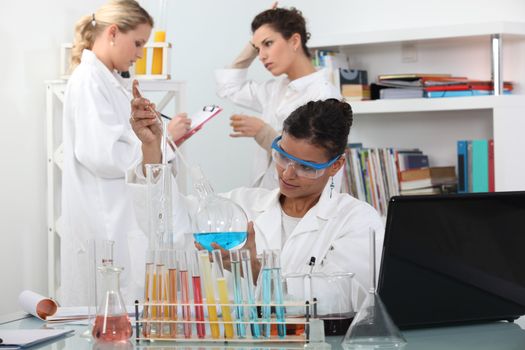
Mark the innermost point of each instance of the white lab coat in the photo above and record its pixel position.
(275, 100)
(335, 230)
(99, 146)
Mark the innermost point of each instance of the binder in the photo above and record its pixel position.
(469, 166)
(480, 166)
(462, 166)
(492, 180)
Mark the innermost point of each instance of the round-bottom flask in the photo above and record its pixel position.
(112, 323)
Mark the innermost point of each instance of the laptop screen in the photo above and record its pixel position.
(454, 258)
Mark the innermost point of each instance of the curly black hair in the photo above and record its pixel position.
(322, 123)
(285, 21)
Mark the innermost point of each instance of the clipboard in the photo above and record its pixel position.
(198, 120)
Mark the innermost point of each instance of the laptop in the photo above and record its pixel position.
(452, 259)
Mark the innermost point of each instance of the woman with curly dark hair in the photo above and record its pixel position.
(279, 40)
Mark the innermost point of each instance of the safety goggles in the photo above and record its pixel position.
(302, 168)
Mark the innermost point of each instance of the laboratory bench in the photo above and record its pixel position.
(496, 335)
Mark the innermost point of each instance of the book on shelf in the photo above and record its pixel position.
(411, 76)
(433, 190)
(397, 93)
(427, 177)
(460, 93)
(355, 92)
(475, 165)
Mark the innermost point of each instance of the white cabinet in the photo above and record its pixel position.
(166, 93)
(434, 125)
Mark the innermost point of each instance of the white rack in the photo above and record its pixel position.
(435, 124)
(166, 90)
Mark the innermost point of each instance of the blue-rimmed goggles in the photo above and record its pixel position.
(302, 168)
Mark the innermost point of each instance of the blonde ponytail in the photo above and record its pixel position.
(126, 14)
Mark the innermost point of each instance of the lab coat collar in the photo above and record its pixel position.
(269, 222)
(116, 80)
(303, 82)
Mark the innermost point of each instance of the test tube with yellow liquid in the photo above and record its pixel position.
(222, 288)
(148, 291)
(205, 267)
(142, 63)
(159, 37)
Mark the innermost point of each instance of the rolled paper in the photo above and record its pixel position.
(37, 305)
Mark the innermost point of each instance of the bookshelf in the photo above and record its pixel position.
(434, 125)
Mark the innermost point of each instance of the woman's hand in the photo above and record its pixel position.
(179, 126)
(144, 120)
(250, 245)
(245, 126)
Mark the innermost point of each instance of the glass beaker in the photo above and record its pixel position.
(333, 293)
(112, 323)
(218, 219)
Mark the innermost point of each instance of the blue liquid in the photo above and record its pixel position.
(252, 310)
(267, 300)
(278, 294)
(237, 297)
(226, 240)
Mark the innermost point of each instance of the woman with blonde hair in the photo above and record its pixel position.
(99, 145)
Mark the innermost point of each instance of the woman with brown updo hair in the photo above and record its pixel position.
(279, 40)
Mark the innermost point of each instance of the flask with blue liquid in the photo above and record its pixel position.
(218, 219)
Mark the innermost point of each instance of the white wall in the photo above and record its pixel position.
(206, 34)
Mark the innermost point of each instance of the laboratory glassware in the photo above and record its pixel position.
(100, 253)
(184, 292)
(159, 36)
(148, 291)
(250, 292)
(218, 219)
(372, 326)
(235, 260)
(266, 281)
(197, 293)
(278, 293)
(158, 201)
(222, 289)
(112, 322)
(205, 267)
(173, 264)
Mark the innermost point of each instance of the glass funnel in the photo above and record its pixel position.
(218, 219)
(112, 323)
(372, 327)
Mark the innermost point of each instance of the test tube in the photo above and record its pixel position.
(278, 294)
(235, 259)
(267, 292)
(197, 294)
(162, 294)
(148, 291)
(222, 288)
(250, 292)
(185, 293)
(172, 291)
(205, 267)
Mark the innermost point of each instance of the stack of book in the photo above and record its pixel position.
(376, 174)
(431, 86)
(430, 180)
(476, 166)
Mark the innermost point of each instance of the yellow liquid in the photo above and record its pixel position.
(154, 297)
(222, 288)
(156, 63)
(142, 63)
(173, 300)
(210, 297)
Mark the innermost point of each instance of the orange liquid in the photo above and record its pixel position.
(112, 328)
(173, 300)
(156, 63)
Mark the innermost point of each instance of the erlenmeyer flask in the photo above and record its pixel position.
(218, 219)
(112, 322)
(372, 327)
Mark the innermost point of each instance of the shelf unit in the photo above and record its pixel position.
(169, 94)
(476, 50)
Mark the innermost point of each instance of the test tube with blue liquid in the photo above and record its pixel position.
(267, 263)
(235, 259)
(250, 292)
(278, 293)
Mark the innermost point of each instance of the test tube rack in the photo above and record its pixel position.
(308, 329)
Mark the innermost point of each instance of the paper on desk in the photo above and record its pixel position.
(29, 337)
(37, 305)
